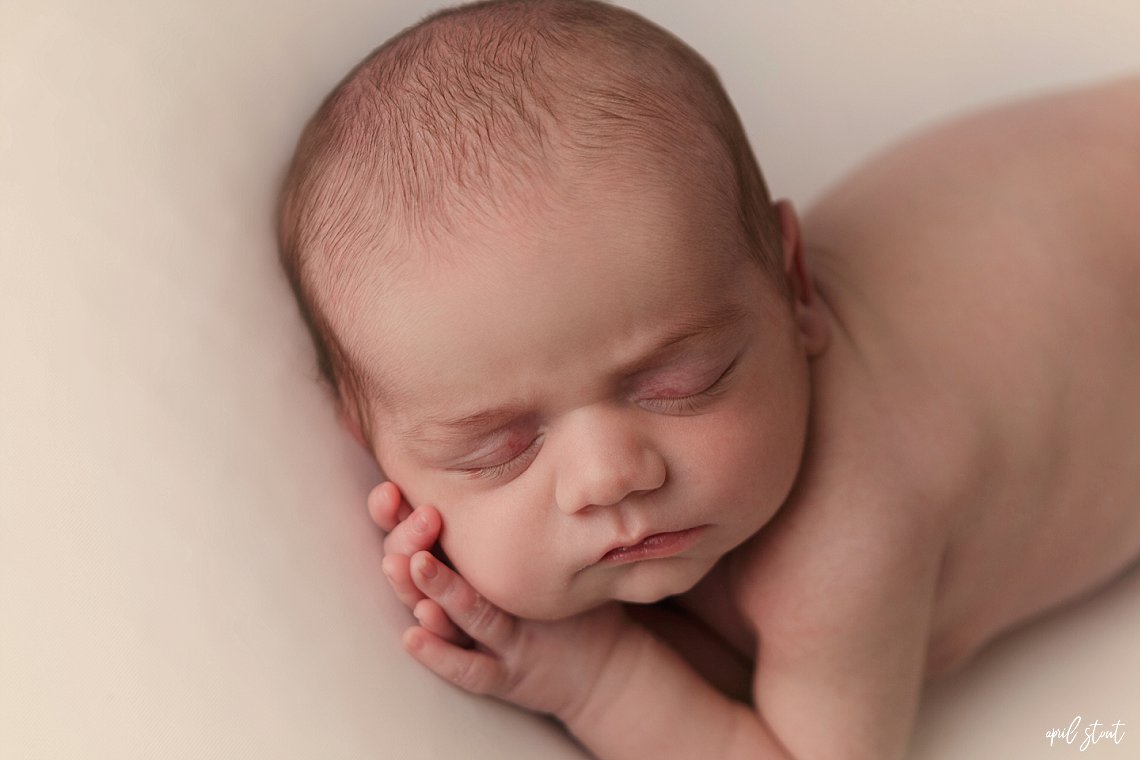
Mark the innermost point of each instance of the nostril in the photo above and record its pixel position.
(605, 460)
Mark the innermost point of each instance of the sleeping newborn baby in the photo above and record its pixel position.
(697, 478)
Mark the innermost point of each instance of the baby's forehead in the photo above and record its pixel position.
(494, 328)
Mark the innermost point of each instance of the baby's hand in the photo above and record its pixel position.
(405, 537)
(547, 666)
(550, 667)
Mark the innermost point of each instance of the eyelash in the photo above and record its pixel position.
(499, 470)
(690, 403)
(684, 404)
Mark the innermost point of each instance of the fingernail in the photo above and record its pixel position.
(419, 523)
(386, 566)
(427, 567)
(413, 642)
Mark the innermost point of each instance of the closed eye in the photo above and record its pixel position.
(681, 405)
(519, 460)
(692, 402)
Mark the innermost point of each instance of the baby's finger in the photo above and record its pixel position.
(386, 506)
(467, 608)
(396, 569)
(469, 669)
(434, 619)
(418, 532)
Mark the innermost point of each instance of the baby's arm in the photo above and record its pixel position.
(843, 603)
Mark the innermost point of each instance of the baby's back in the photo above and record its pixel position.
(989, 274)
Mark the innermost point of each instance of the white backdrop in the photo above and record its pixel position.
(186, 566)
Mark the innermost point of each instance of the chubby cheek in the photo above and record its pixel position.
(498, 556)
(496, 539)
(751, 456)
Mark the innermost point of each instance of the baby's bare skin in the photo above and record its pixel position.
(998, 332)
(974, 444)
(976, 423)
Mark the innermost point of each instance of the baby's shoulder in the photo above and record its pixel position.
(970, 382)
(959, 266)
(1040, 169)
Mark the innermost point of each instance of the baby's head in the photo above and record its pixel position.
(551, 295)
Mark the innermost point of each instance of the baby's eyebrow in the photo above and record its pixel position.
(466, 427)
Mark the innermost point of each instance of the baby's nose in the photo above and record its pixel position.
(606, 459)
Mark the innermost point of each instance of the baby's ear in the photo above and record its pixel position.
(792, 250)
(811, 321)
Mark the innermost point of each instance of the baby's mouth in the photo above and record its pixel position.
(654, 546)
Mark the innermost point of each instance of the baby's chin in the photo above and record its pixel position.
(547, 607)
(646, 584)
(654, 584)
